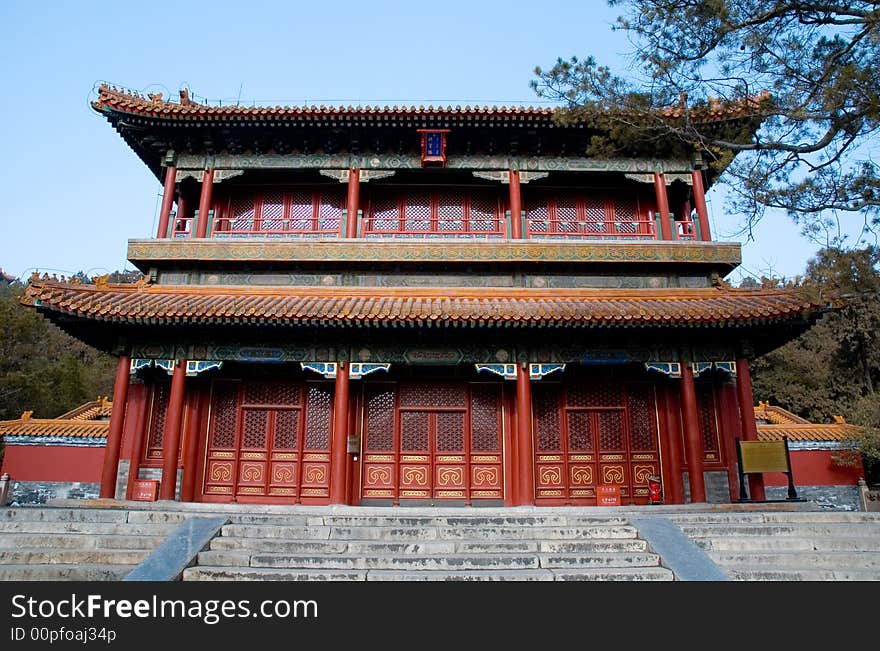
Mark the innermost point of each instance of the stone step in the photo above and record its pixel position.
(776, 517)
(77, 541)
(788, 574)
(58, 572)
(425, 561)
(800, 560)
(615, 574)
(94, 528)
(789, 543)
(35, 514)
(366, 547)
(337, 562)
(207, 573)
(459, 521)
(802, 530)
(25, 556)
(430, 533)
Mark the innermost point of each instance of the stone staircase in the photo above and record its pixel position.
(424, 547)
(93, 542)
(76, 544)
(789, 546)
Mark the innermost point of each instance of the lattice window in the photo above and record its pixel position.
(241, 212)
(598, 394)
(566, 216)
(386, 215)
(485, 412)
(417, 213)
(642, 417)
(626, 216)
(301, 211)
(254, 430)
(318, 414)
(433, 395)
(224, 411)
(272, 216)
(161, 393)
(580, 436)
(272, 393)
(414, 431)
(450, 431)
(594, 215)
(545, 408)
(286, 430)
(706, 409)
(537, 216)
(330, 210)
(380, 418)
(450, 212)
(484, 214)
(611, 434)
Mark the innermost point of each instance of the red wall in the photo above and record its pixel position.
(53, 463)
(816, 468)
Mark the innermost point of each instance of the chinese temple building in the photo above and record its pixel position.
(409, 305)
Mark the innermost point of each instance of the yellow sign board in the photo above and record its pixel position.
(763, 456)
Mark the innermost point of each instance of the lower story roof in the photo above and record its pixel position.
(160, 304)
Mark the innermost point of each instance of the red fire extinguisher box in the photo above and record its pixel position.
(145, 490)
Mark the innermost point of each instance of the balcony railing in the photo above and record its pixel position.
(642, 227)
(295, 227)
(646, 227)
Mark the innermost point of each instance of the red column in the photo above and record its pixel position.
(171, 436)
(516, 230)
(747, 420)
(349, 229)
(205, 202)
(167, 200)
(524, 465)
(693, 444)
(700, 205)
(114, 436)
(190, 452)
(662, 206)
(340, 434)
(137, 449)
(673, 491)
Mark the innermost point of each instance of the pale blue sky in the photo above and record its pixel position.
(73, 193)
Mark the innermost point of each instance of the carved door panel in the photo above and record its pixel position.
(268, 442)
(432, 441)
(588, 434)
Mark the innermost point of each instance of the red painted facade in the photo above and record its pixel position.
(53, 463)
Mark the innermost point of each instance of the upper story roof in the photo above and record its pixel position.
(153, 125)
(122, 101)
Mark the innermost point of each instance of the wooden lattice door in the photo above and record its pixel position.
(588, 434)
(269, 442)
(432, 441)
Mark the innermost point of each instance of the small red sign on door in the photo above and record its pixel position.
(145, 490)
(607, 495)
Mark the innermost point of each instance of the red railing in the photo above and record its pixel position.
(293, 227)
(181, 227)
(435, 215)
(640, 227)
(685, 230)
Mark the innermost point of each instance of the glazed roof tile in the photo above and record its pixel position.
(784, 423)
(113, 99)
(142, 303)
(90, 420)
